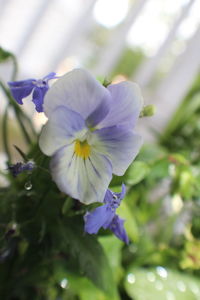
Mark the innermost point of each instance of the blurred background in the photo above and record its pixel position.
(155, 43)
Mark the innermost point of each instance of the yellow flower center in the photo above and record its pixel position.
(82, 149)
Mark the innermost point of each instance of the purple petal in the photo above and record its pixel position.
(50, 76)
(123, 192)
(60, 130)
(126, 105)
(119, 145)
(81, 92)
(108, 196)
(38, 97)
(22, 83)
(100, 217)
(114, 199)
(99, 113)
(117, 227)
(21, 89)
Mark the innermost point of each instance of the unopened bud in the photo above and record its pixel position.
(106, 82)
(148, 111)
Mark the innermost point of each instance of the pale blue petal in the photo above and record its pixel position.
(60, 130)
(84, 179)
(126, 105)
(79, 91)
(118, 144)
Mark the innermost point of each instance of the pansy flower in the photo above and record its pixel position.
(105, 216)
(89, 133)
(38, 88)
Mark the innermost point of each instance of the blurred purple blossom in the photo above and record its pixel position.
(20, 167)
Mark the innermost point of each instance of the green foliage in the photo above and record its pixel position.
(161, 283)
(38, 234)
(129, 62)
(44, 252)
(183, 131)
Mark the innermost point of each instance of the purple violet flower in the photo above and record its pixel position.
(20, 167)
(105, 216)
(22, 89)
(89, 133)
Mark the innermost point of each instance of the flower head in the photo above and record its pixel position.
(89, 133)
(105, 216)
(20, 167)
(22, 89)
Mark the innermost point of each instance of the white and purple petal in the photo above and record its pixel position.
(79, 91)
(126, 104)
(61, 129)
(83, 179)
(119, 144)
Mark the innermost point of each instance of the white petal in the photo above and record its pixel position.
(86, 180)
(61, 129)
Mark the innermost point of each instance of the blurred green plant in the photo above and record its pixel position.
(44, 253)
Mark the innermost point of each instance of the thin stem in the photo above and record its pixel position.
(27, 119)
(5, 133)
(25, 133)
(15, 68)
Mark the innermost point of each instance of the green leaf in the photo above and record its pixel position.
(112, 247)
(161, 283)
(67, 205)
(136, 172)
(130, 224)
(87, 291)
(4, 55)
(90, 255)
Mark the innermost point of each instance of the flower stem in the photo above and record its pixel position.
(24, 131)
(5, 134)
(15, 67)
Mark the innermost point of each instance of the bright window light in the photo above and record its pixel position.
(110, 13)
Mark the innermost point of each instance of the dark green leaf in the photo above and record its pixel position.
(90, 255)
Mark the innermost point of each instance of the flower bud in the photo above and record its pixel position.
(148, 111)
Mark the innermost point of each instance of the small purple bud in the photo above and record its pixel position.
(20, 167)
